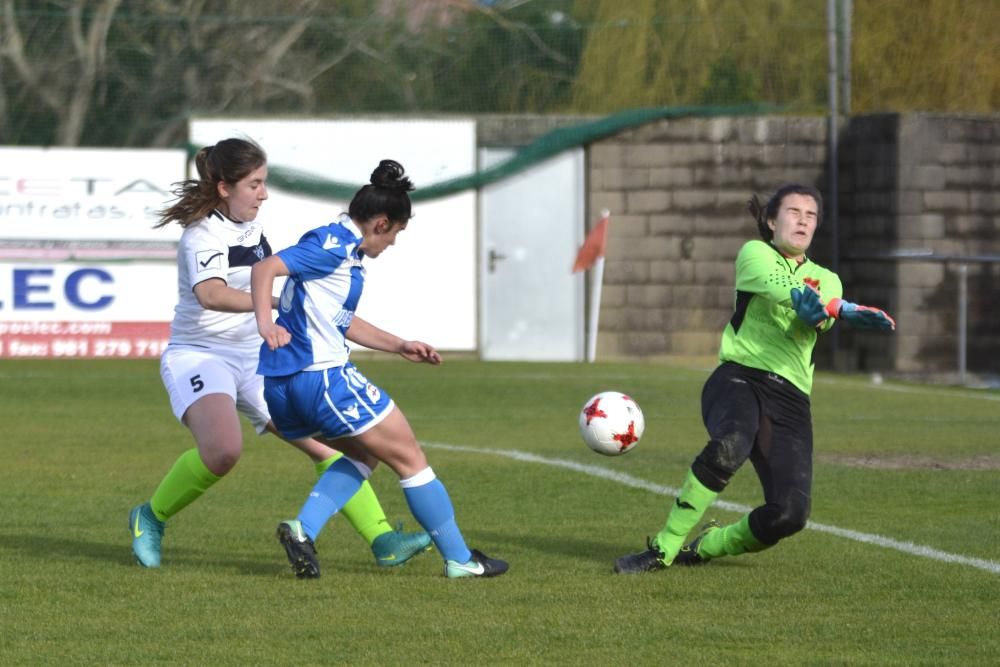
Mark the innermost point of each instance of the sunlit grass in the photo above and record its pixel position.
(84, 441)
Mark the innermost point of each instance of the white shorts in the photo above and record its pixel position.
(190, 372)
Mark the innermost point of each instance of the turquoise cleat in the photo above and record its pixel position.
(147, 531)
(396, 547)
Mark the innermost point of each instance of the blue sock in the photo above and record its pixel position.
(431, 506)
(335, 487)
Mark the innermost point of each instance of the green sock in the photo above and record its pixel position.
(186, 481)
(686, 512)
(731, 540)
(363, 511)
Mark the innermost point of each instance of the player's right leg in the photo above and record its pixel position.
(715, 541)
(393, 442)
(301, 405)
(687, 509)
(202, 393)
(731, 413)
(391, 547)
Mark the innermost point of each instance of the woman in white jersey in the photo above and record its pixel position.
(209, 367)
(312, 388)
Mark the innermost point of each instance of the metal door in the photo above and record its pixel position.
(531, 225)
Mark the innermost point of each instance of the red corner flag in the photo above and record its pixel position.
(594, 245)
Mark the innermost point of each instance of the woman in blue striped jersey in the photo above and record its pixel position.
(312, 388)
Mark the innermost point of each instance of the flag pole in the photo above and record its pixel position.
(591, 256)
(596, 283)
(597, 280)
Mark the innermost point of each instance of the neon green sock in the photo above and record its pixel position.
(182, 485)
(363, 511)
(688, 508)
(731, 540)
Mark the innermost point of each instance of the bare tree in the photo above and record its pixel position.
(210, 58)
(62, 77)
(104, 72)
(148, 70)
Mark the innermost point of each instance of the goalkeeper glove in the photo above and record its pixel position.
(808, 307)
(862, 317)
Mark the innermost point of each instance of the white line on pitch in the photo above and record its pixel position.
(636, 483)
(926, 390)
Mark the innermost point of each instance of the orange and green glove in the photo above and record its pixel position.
(862, 317)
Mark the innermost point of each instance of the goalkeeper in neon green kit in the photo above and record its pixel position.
(755, 405)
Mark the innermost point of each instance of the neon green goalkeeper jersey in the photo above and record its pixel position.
(764, 332)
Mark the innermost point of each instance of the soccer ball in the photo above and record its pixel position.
(611, 423)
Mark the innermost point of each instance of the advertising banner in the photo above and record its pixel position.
(86, 310)
(66, 195)
(83, 273)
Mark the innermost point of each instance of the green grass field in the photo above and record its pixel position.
(84, 441)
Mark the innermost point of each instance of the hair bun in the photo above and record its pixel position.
(389, 174)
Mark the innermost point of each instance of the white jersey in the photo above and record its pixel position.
(216, 247)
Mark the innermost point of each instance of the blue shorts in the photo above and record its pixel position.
(333, 403)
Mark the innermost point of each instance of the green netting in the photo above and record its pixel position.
(130, 74)
(546, 146)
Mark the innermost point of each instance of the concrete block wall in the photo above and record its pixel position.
(921, 183)
(677, 192)
(949, 189)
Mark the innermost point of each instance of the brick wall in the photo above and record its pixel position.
(947, 201)
(677, 191)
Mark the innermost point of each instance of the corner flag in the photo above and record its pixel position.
(594, 245)
(591, 255)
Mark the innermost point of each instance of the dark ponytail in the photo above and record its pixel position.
(387, 194)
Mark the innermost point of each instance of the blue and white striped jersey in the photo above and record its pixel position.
(318, 300)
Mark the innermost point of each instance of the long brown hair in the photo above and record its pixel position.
(228, 161)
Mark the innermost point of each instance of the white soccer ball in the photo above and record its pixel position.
(611, 423)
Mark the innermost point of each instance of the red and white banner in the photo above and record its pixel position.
(123, 340)
(77, 243)
(86, 310)
(83, 273)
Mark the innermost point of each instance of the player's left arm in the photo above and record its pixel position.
(861, 317)
(365, 333)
